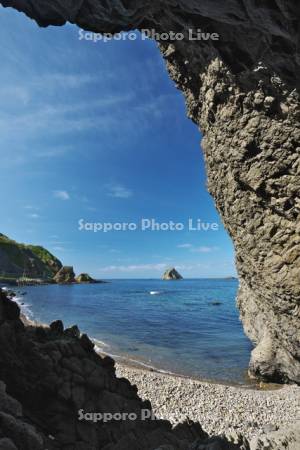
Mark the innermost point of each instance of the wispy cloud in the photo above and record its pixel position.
(118, 191)
(33, 216)
(31, 207)
(58, 248)
(201, 249)
(134, 268)
(67, 80)
(204, 249)
(62, 195)
(54, 152)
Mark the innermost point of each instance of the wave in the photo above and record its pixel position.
(127, 359)
(155, 292)
(24, 307)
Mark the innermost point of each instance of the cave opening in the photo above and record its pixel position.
(123, 122)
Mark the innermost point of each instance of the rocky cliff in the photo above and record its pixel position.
(242, 91)
(32, 261)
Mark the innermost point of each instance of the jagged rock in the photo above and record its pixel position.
(86, 343)
(65, 275)
(171, 274)
(73, 331)
(57, 327)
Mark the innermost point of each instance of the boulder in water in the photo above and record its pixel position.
(85, 278)
(171, 274)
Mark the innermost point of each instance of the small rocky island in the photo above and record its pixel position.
(171, 274)
(66, 275)
(85, 278)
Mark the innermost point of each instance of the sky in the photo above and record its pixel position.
(97, 132)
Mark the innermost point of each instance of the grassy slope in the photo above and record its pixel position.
(16, 258)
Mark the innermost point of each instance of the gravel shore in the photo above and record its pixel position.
(217, 407)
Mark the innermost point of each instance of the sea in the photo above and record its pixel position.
(189, 327)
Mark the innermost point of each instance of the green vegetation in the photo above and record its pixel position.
(17, 260)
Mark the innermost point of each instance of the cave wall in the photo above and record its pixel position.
(243, 93)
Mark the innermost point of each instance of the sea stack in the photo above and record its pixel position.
(85, 278)
(171, 274)
(65, 275)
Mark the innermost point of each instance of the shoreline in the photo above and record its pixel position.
(130, 362)
(220, 408)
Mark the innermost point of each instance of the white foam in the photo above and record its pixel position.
(155, 292)
(125, 358)
(25, 307)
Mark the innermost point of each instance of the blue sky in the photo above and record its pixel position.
(97, 131)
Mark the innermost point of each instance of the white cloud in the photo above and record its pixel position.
(134, 268)
(62, 195)
(33, 216)
(201, 249)
(118, 191)
(204, 249)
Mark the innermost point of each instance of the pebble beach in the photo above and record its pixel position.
(218, 408)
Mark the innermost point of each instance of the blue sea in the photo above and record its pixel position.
(188, 327)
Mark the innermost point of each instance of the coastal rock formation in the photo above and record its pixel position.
(85, 278)
(171, 274)
(21, 260)
(65, 275)
(57, 377)
(243, 91)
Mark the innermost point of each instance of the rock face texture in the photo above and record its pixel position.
(85, 278)
(243, 92)
(65, 275)
(171, 274)
(55, 373)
